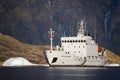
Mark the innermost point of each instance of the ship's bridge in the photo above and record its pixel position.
(77, 40)
(79, 45)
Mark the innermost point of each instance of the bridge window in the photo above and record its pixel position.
(84, 40)
(76, 41)
(81, 40)
(62, 41)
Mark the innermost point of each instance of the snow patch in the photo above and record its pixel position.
(112, 65)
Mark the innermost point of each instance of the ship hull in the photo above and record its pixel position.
(56, 58)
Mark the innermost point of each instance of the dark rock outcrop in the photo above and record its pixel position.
(29, 20)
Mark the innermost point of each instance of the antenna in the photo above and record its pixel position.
(64, 34)
(95, 31)
(51, 12)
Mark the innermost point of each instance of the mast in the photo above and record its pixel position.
(51, 32)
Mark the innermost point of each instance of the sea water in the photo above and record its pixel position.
(59, 73)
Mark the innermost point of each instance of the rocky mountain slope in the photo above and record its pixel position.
(10, 47)
(29, 20)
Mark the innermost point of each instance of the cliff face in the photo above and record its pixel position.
(29, 20)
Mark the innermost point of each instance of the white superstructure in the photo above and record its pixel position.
(76, 51)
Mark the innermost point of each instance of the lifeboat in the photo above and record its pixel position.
(99, 49)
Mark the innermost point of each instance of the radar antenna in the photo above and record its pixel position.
(81, 28)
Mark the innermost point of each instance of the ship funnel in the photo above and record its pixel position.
(81, 28)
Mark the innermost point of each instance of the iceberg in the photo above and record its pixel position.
(17, 61)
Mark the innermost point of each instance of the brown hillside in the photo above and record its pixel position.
(10, 47)
(112, 57)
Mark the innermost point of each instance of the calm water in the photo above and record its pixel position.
(59, 73)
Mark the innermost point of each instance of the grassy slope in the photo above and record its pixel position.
(10, 47)
(112, 57)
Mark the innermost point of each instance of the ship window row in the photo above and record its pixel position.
(92, 57)
(76, 52)
(66, 52)
(88, 57)
(72, 41)
(77, 46)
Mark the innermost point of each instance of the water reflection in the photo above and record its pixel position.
(82, 73)
(58, 73)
